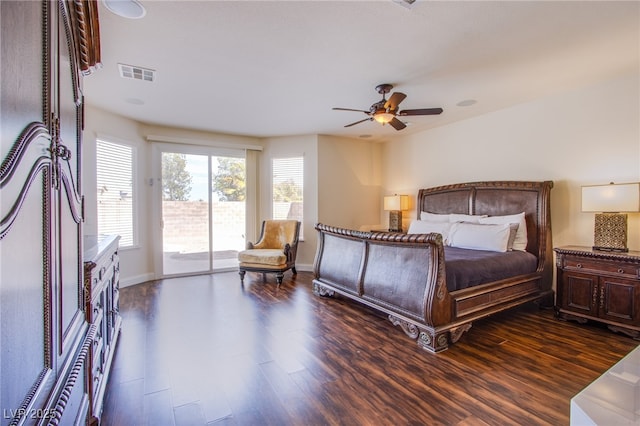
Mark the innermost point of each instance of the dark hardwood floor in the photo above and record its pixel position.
(205, 350)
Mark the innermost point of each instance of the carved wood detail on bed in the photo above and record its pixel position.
(403, 275)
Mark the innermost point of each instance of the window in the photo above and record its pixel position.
(114, 169)
(288, 188)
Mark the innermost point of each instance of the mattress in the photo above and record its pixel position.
(466, 268)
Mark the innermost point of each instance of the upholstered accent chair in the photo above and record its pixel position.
(275, 251)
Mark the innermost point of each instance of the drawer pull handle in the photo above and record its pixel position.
(621, 271)
(579, 265)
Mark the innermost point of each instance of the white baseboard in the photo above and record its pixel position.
(138, 279)
(126, 282)
(304, 267)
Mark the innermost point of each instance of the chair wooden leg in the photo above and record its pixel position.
(279, 277)
(293, 270)
(242, 275)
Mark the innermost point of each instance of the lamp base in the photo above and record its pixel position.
(395, 221)
(610, 232)
(613, 250)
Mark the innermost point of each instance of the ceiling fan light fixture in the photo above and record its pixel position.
(383, 117)
(386, 111)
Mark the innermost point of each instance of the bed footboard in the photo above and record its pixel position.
(401, 275)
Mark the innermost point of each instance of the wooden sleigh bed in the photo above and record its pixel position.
(410, 277)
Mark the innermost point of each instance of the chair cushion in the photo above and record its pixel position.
(259, 267)
(263, 257)
(277, 233)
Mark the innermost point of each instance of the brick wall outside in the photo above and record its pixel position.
(186, 224)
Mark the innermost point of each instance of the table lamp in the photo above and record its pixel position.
(611, 203)
(395, 204)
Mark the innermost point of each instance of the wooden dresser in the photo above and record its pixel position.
(601, 286)
(102, 292)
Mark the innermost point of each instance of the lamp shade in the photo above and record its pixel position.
(383, 117)
(611, 198)
(396, 202)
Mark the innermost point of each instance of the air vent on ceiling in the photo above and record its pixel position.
(406, 3)
(137, 73)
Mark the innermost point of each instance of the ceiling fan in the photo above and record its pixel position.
(386, 111)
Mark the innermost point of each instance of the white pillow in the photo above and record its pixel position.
(471, 218)
(427, 227)
(434, 217)
(520, 243)
(477, 236)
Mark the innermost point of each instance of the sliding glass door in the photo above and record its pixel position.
(203, 209)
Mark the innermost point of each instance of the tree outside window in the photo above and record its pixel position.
(229, 182)
(176, 180)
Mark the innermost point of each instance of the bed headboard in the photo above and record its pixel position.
(499, 198)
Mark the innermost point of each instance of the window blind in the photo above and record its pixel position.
(288, 188)
(114, 169)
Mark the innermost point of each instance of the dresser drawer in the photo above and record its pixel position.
(96, 309)
(97, 352)
(116, 299)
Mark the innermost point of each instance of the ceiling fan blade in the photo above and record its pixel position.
(423, 111)
(397, 124)
(350, 109)
(358, 122)
(394, 101)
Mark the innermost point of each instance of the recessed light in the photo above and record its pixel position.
(467, 102)
(130, 9)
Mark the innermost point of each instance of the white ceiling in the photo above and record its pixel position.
(276, 68)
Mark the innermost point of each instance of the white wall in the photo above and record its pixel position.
(136, 264)
(582, 137)
(349, 183)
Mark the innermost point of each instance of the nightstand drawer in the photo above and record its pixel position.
(614, 268)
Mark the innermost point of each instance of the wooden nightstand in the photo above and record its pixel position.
(600, 286)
